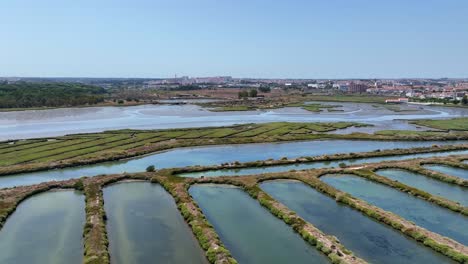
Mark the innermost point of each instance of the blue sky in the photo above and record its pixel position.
(242, 38)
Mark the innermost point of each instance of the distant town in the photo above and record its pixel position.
(442, 90)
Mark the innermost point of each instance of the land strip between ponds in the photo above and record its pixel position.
(95, 237)
(83, 149)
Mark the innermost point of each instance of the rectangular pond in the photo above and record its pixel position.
(45, 228)
(249, 231)
(368, 239)
(422, 213)
(313, 165)
(457, 172)
(212, 155)
(145, 226)
(435, 187)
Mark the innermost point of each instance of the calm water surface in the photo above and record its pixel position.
(312, 165)
(144, 226)
(249, 231)
(422, 213)
(368, 239)
(457, 172)
(45, 228)
(212, 155)
(450, 191)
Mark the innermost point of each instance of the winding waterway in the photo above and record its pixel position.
(249, 231)
(368, 239)
(45, 228)
(422, 213)
(144, 226)
(212, 155)
(56, 122)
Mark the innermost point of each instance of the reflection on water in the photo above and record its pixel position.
(435, 187)
(249, 231)
(368, 239)
(313, 165)
(422, 213)
(45, 228)
(457, 172)
(144, 226)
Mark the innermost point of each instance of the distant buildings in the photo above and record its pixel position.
(397, 101)
(357, 88)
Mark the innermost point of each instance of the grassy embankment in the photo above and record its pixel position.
(80, 149)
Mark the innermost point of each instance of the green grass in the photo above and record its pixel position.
(460, 124)
(106, 144)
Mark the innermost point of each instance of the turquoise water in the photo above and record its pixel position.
(450, 191)
(422, 213)
(312, 165)
(249, 231)
(144, 226)
(457, 172)
(368, 239)
(212, 155)
(45, 228)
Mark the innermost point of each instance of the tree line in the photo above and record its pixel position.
(25, 94)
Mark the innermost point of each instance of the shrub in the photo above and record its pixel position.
(79, 185)
(150, 168)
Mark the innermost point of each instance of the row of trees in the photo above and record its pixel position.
(244, 93)
(24, 94)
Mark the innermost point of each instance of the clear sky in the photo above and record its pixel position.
(241, 38)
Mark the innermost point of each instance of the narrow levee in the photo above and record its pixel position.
(214, 155)
(144, 226)
(314, 165)
(457, 172)
(248, 230)
(450, 191)
(45, 228)
(368, 239)
(422, 213)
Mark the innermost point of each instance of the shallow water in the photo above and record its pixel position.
(368, 239)
(45, 228)
(312, 165)
(144, 226)
(457, 172)
(249, 231)
(55, 122)
(212, 155)
(435, 187)
(422, 213)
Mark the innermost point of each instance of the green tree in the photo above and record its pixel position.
(265, 89)
(253, 93)
(150, 168)
(464, 101)
(243, 94)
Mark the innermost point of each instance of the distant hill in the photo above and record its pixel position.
(25, 94)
